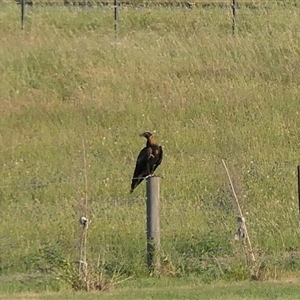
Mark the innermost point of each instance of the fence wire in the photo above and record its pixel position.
(41, 182)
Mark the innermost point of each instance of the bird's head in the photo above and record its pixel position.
(150, 138)
(146, 134)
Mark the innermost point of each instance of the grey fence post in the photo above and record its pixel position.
(298, 169)
(233, 16)
(153, 223)
(23, 3)
(116, 17)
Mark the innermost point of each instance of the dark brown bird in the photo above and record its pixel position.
(148, 160)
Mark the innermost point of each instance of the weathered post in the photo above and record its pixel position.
(298, 168)
(233, 5)
(116, 17)
(153, 224)
(23, 3)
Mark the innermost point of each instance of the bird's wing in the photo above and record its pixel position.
(160, 158)
(144, 155)
(141, 168)
(161, 153)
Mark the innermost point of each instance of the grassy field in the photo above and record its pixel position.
(167, 289)
(208, 96)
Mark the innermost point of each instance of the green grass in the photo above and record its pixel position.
(179, 289)
(208, 95)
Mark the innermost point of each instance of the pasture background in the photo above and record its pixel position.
(208, 95)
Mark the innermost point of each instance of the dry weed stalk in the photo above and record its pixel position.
(83, 267)
(248, 248)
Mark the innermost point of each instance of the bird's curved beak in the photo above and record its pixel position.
(142, 134)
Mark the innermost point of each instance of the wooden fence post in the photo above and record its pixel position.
(23, 3)
(153, 224)
(298, 169)
(116, 17)
(233, 16)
